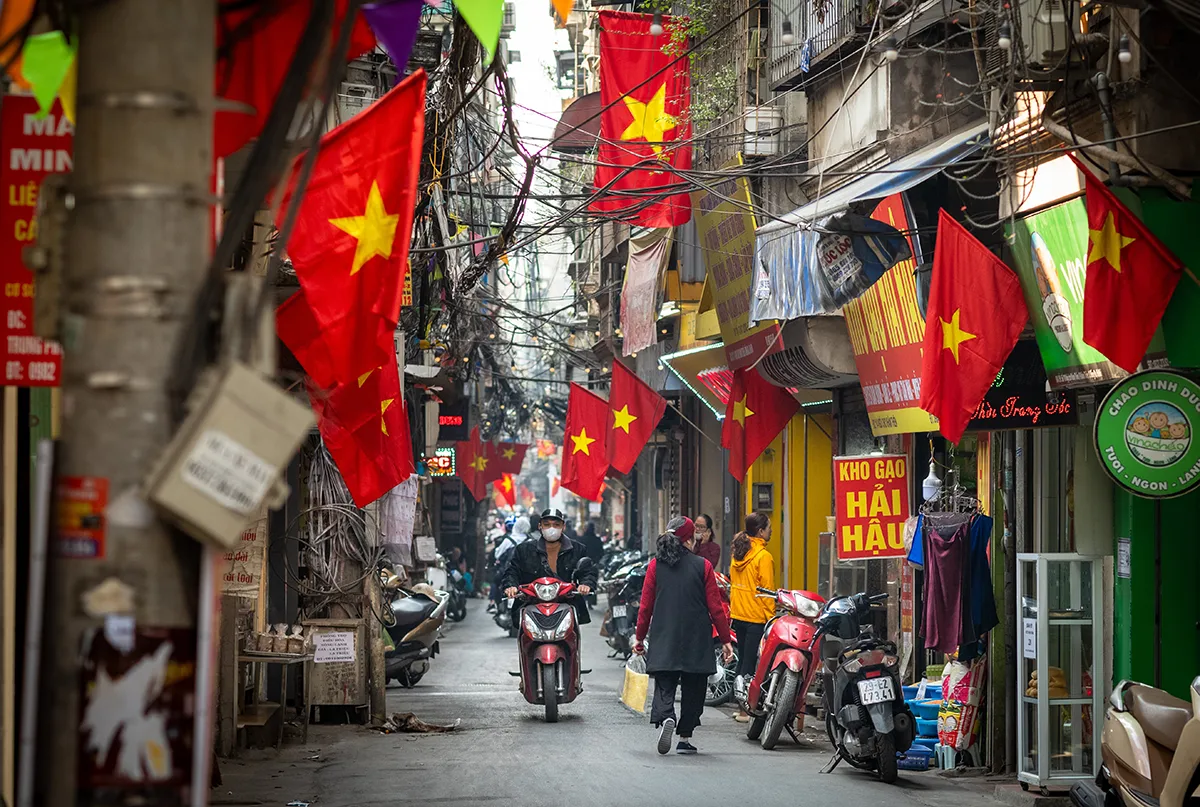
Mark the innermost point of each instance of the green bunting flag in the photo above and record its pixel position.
(484, 18)
(46, 63)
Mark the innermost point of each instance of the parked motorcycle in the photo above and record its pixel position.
(416, 615)
(720, 683)
(504, 616)
(866, 717)
(456, 611)
(624, 601)
(787, 662)
(1150, 751)
(548, 645)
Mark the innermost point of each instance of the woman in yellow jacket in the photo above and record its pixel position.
(752, 566)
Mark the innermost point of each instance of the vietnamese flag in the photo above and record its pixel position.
(1130, 278)
(297, 327)
(507, 490)
(976, 314)
(756, 414)
(645, 128)
(585, 451)
(636, 410)
(471, 463)
(510, 457)
(364, 425)
(351, 237)
(255, 46)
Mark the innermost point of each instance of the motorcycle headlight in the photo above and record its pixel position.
(807, 608)
(546, 591)
(554, 634)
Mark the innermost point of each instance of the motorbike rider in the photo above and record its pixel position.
(549, 553)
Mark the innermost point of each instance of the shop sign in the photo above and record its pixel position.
(442, 461)
(886, 334)
(31, 148)
(725, 228)
(871, 495)
(1146, 434)
(1018, 398)
(1050, 252)
(452, 421)
(80, 522)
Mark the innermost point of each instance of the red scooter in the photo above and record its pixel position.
(787, 661)
(548, 644)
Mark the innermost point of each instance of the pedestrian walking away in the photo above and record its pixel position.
(680, 606)
(705, 544)
(752, 567)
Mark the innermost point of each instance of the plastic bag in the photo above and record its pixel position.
(637, 684)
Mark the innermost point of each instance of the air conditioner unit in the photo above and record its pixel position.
(763, 130)
(1039, 37)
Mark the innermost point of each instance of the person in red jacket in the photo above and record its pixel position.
(681, 604)
(705, 544)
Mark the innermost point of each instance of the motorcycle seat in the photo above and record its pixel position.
(412, 610)
(1160, 715)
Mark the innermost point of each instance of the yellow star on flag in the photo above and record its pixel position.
(507, 483)
(375, 229)
(582, 441)
(383, 408)
(650, 121)
(741, 411)
(1107, 243)
(509, 453)
(622, 418)
(953, 335)
(479, 463)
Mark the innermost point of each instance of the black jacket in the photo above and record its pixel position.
(528, 562)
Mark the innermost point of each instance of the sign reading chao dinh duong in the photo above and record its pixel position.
(886, 333)
(871, 495)
(1146, 434)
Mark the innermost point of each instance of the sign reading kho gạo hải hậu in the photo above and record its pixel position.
(886, 334)
(1146, 434)
(871, 506)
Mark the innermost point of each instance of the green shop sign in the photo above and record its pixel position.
(1049, 250)
(1146, 434)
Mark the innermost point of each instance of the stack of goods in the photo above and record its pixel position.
(958, 718)
(1057, 684)
(924, 699)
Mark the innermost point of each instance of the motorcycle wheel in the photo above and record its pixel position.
(721, 692)
(888, 770)
(550, 693)
(754, 728)
(782, 711)
(409, 679)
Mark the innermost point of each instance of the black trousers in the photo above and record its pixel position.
(694, 686)
(749, 634)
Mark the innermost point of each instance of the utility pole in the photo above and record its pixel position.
(137, 246)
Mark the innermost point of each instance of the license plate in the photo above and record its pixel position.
(876, 690)
(619, 611)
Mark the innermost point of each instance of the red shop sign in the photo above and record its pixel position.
(30, 150)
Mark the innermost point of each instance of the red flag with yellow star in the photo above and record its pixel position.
(364, 425)
(585, 449)
(755, 415)
(645, 134)
(976, 314)
(636, 409)
(510, 457)
(349, 246)
(472, 461)
(1130, 278)
(506, 489)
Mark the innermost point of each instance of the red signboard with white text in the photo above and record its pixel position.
(31, 148)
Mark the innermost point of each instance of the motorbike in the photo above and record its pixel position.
(720, 683)
(1149, 750)
(504, 616)
(787, 662)
(866, 717)
(415, 616)
(624, 600)
(456, 611)
(548, 645)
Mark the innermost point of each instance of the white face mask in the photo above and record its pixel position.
(552, 534)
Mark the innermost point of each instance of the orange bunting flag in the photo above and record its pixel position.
(585, 451)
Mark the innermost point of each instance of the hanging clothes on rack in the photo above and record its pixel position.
(947, 576)
(983, 599)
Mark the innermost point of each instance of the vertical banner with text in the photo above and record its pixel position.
(871, 506)
(31, 148)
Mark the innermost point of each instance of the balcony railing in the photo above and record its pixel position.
(820, 28)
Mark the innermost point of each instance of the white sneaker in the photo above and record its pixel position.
(664, 735)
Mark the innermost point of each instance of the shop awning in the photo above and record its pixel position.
(704, 372)
(787, 247)
(578, 130)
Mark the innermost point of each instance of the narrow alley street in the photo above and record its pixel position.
(599, 753)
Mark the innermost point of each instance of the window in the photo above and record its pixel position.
(1054, 490)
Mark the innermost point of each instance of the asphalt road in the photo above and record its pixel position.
(599, 753)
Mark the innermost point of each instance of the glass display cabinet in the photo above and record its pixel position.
(1060, 607)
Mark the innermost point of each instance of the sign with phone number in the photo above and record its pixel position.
(31, 149)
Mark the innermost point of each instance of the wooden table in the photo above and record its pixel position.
(260, 712)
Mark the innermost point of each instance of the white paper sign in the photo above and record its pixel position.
(1029, 638)
(334, 647)
(1124, 559)
(228, 472)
